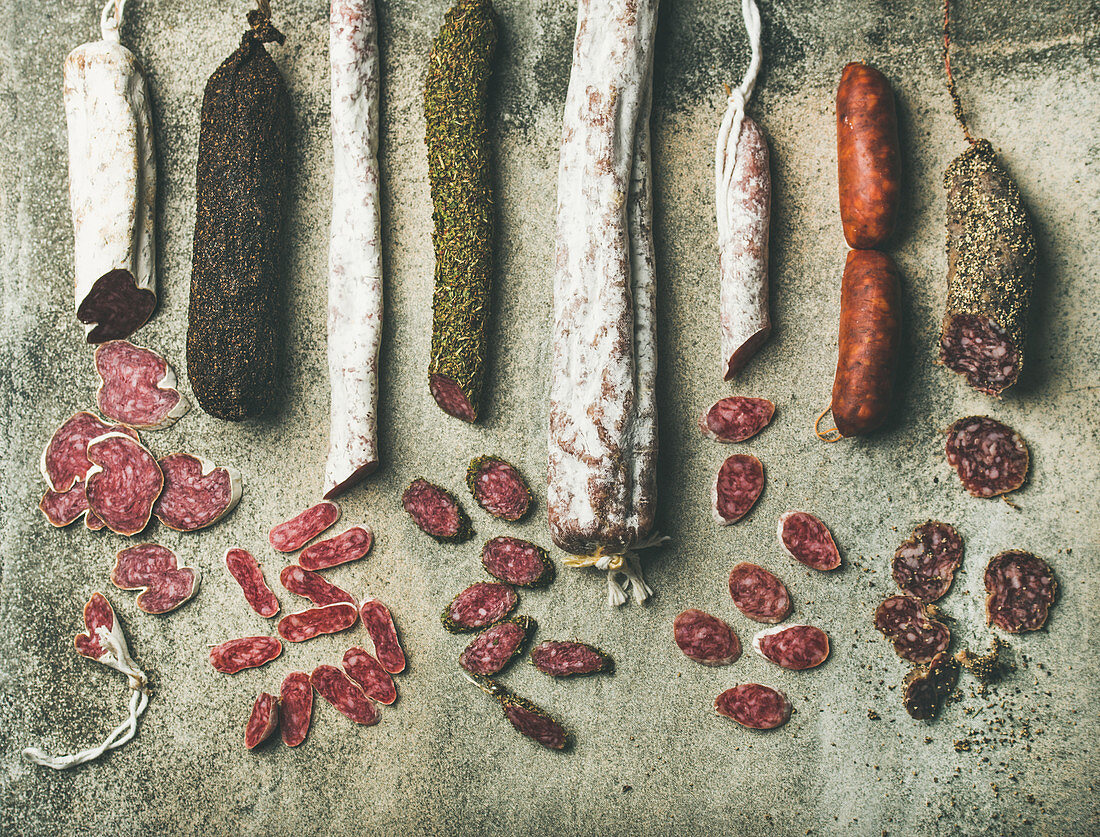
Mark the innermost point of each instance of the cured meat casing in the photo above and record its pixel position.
(355, 246)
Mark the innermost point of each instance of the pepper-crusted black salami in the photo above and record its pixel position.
(232, 339)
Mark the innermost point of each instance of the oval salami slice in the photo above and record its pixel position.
(137, 387)
(479, 606)
(344, 694)
(245, 569)
(304, 527)
(247, 652)
(123, 483)
(263, 720)
(65, 457)
(990, 458)
(379, 624)
(498, 488)
(308, 624)
(917, 637)
(313, 586)
(754, 706)
(436, 512)
(808, 541)
(1021, 589)
(374, 680)
(927, 686)
(295, 708)
(796, 647)
(737, 487)
(736, 418)
(64, 507)
(924, 565)
(350, 545)
(758, 594)
(196, 493)
(534, 722)
(568, 659)
(705, 638)
(517, 562)
(152, 568)
(491, 650)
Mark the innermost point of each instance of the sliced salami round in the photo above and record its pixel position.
(374, 680)
(245, 569)
(263, 720)
(705, 638)
(479, 606)
(64, 507)
(65, 458)
(917, 637)
(382, 632)
(313, 586)
(737, 487)
(308, 624)
(924, 565)
(436, 512)
(796, 647)
(295, 708)
(303, 527)
(98, 613)
(123, 483)
(570, 658)
(196, 493)
(808, 541)
(152, 568)
(927, 686)
(517, 562)
(1021, 589)
(137, 387)
(247, 652)
(758, 594)
(491, 650)
(754, 706)
(344, 694)
(736, 418)
(350, 545)
(498, 488)
(990, 458)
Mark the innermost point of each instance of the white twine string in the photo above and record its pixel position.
(628, 566)
(110, 23)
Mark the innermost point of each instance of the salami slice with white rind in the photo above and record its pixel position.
(379, 624)
(917, 637)
(569, 659)
(758, 594)
(263, 720)
(350, 545)
(1021, 589)
(307, 624)
(374, 680)
(236, 655)
(245, 569)
(498, 488)
(796, 647)
(123, 483)
(436, 512)
(65, 507)
(137, 387)
(705, 638)
(196, 492)
(152, 568)
(927, 686)
(736, 418)
(808, 541)
(295, 708)
(754, 706)
(517, 562)
(65, 458)
(736, 489)
(990, 458)
(924, 566)
(479, 606)
(304, 527)
(490, 651)
(313, 586)
(344, 695)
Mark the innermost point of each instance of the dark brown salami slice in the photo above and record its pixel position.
(65, 458)
(374, 680)
(247, 652)
(379, 624)
(344, 694)
(123, 483)
(350, 545)
(737, 487)
(491, 650)
(517, 562)
(152, 568)
(1021, 589)
(568, 659)
(498, 488)
(479, 606)
(436, 512)
(308, 624)
(917, 637)
(754, 706)
(705, 638)
(295, 708)
(758, 594)
(263, 720)
(65, 507)
(808, 541)
(924, 565)
(927, 686)
(196, 492)
(736, 418)
(313, 586)
(304, 527)
(796, 647)
(137, 387)
(245, 569)
(990, 458)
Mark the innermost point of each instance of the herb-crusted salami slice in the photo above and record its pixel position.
(350, 545)
(917, 637)
(307, 624)
(736, 418)
(924, 565)
(517, 562)
(754, 706)
(64, 507)
(304, 527)
(152, 568)
(383, 633)
(705, 638)
(123, 483)
(295, 708)
(436, 512)
(345, 695)
(1021, 589)
(236, 655)
(529, 720)
(796, 647)
(498, 488)
(263, 720)
(758, 594)
(65, 457)
(196, 492)
(245, 569)
(313, 586)
(737, 487)
(808, 541)
(137, 387)
(570, 658)
(479, 606)
(990, 458)
(927, 686)
(491, 650)
(374, 680)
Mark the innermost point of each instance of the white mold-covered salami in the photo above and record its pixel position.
(137, 387)
(355, 246)
(112, 183)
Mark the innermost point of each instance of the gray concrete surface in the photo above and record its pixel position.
(651, 756)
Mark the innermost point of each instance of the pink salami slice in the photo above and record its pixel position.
(990, 458)
(65, 458)
(137, 387)
(705, 638)
(308, 624)
(479, 606)
(917, 637)
(569, 659)
(351, 545)
(123, 483)
(374, 680)
(758, 594)
(754, 706)
(517, 562)
(93, 523)
(737, 487)
(533, 722)
(152, 568)
(313, 586)
(927, 686)
(295, 708)
(736, 418)
(344, 694)
(491, 650)
(304, 527)
(247, 652)
(263, 720)
(98, 613)
(196, 493)
(1021, 589)
(246, 570)
(924, 566)
(382, 632)
(436, 512)
(808, 541)
(498, 488)
(796, 647)
(65, 507)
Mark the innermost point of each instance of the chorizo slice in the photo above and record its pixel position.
(1021, 589)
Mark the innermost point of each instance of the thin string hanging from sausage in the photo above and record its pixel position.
(109, 23)
(625, 563)
(956, 102)
(725, 156)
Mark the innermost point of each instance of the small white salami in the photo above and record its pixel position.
(344, 694)
(197, 493)
(307, 624)
(123, 483)
(796, 647)
(808, 541)
(350, 545)
(737, 487)
(754, 706)
(990, 458)
(1021, 589)
(736, 418)
(247, 652)
(705, 638)
(758, 594)
(137, 387)
(152, 568)
(304, 527)
(246, 571)
(65, 458)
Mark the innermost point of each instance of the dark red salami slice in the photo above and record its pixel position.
(304, 527)
(705, 638)
(568, 659)
(498, 488)
(313, 586)
(382, 632)
(137, 387)
(479, 606)
(517, 562)
(796, 647)
(344, 694)
(295, 708)
(246, 570)
(98, 613)
(152, 568)
(123, 483)
(196, 492)
(527, 718)
(66, 507)
(93, 523)
(758, 594)
(347, 546)
(754, 706)
(924, 565)
(917, 637)
(808, 541)
(927, 686)
(990, 458)
(247, 652)
(374, 680)
(308, 624)
(65, 458)
(736, 418)
(1021, 589)
(262, 721)
(737, 487)
(436, 512)
(491, 650)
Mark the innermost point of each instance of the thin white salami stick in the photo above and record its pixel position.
(112, 183)
(743, 207)
(355, 246)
